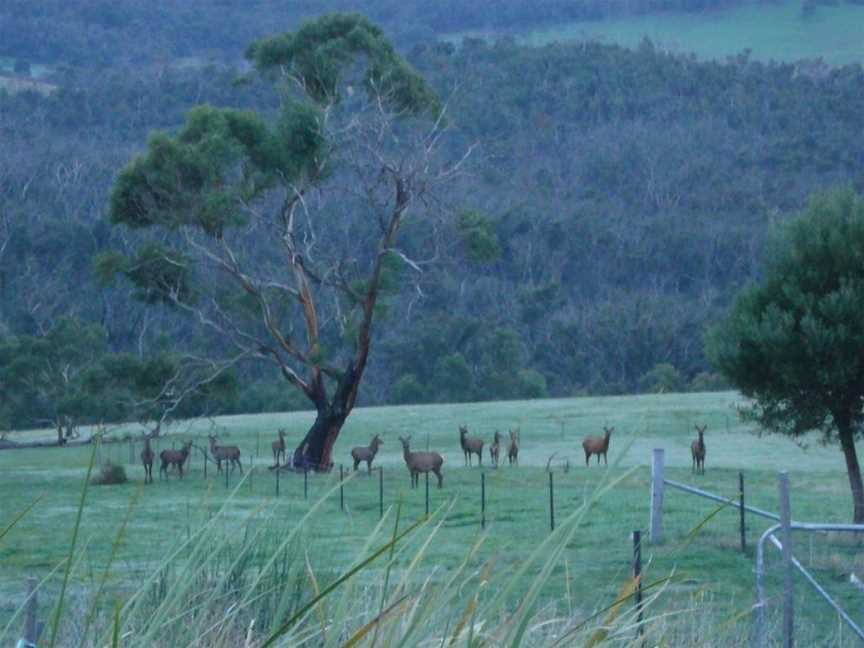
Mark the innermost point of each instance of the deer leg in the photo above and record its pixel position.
(356, 463)
(440, 477)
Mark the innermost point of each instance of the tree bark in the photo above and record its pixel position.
(315, 452)
(853, 469)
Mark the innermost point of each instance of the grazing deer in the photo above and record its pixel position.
(697, 449)
(424, 462)
(470, 445)
(225, 453)
(177, 458)
(147, 456)
(279, 447)
(495, 448)
(597, 445)
(366, 453)
(513, 447)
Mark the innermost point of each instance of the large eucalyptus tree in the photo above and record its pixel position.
(278, 232)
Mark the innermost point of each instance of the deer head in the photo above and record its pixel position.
(376, 441)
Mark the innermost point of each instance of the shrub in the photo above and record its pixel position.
(110, 473)
(663, 378)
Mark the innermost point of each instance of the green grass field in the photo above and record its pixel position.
(707, 566)
(773, 31)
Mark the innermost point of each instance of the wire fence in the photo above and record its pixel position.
(808, 576)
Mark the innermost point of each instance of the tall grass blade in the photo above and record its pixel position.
(19, 517)
(58, 611)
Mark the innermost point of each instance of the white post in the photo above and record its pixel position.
(657, 496)
(786, 535)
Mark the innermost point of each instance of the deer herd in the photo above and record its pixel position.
(416, 462)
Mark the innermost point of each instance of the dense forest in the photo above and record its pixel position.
(613, 203)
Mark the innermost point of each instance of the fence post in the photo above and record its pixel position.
(305, 482)
(381, 491)
(551, 502)
(31, 629)
(482, 500)
(277, 480)
(657, 463)
(786, 535)
(204, 454)
(341, 488)
(226, 473)
(741, 511)
(427, 493)
(637, 576)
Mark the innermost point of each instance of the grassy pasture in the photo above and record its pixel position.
(708, 568)
(772, 31)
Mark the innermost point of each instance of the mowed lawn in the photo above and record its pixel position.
(706, 562)
(771, 31)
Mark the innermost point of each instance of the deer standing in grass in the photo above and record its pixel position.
(170, 457)
(495, 448)
(513, 447)
(597, 445)
(470, 445)
(424, 462)
(697, 449)
(225, 453)
(366, 453)
(279, 447)
(147, 456)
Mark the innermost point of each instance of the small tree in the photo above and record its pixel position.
(794, 343)
(278, 234)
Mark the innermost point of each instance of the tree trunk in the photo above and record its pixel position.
(316, 450)
(847, 442)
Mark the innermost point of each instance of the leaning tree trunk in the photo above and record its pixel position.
(847, 442)
(315, 451)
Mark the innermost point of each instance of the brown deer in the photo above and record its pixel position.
(170, 457)
(470, 445)
(225, 453)
(495, 448)
(513, 447)
(147, 456)
(366, 453)
(279, 447)
(597, 445)
(424, 462)
(697, 449)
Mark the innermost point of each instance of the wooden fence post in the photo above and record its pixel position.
(341, 488)
(741, 511)
(637, 576)
(381, 491)
(277, 480)
(305, 483)
(786, 535)
(657, 463)
(427, 493)
(31, 629)
(551, 502)
(482, 500)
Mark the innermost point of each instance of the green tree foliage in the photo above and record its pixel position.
(794, 342)
(478, 236)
